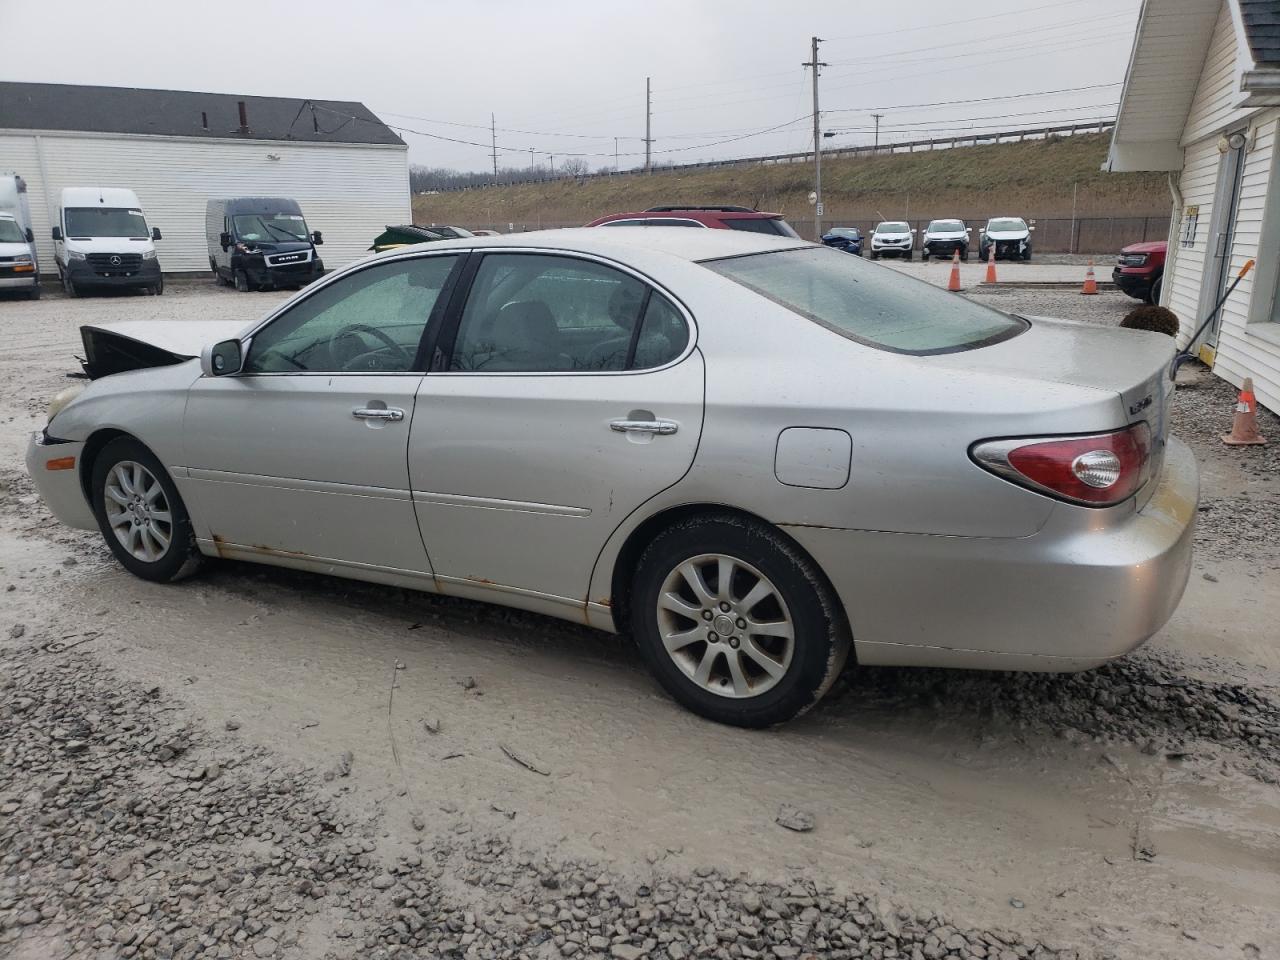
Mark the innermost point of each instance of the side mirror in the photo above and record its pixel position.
(57, 233)
(222, 359)
(155, 234)
(225, 240)
(31, 237)
(317, 238)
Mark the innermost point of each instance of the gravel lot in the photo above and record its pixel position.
(261, 763)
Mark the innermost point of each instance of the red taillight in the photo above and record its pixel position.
(1098, 470)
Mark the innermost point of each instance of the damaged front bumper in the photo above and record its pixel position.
(55, 469)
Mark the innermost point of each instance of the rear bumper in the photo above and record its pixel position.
(60, 489)
(1058, 600)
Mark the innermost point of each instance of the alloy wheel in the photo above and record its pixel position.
(725, 625)
(138, 511)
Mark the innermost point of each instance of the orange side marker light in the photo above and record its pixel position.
(61, 463)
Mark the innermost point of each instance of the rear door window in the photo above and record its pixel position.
(541, 313)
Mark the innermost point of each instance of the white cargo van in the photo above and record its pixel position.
(19, 266)
(102, 240)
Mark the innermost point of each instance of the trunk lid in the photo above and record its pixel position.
(1132, 364)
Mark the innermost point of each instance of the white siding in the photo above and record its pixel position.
(1199, 177)
(1241, 352)
(349, 192)
(1213, 108)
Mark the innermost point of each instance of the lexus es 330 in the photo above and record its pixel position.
(757, 456)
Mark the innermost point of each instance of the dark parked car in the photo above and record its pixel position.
(1139, 270)
(848, 239)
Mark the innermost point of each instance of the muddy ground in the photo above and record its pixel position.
(262, 763)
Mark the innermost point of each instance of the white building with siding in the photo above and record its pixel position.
(1201, 100)
(176, 150)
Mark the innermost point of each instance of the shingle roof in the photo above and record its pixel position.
(180, 113)
(1261, 20)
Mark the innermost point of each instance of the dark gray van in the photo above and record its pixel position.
(261, 243)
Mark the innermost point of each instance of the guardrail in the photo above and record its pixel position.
(907, 146)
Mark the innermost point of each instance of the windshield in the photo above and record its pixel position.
(849, 232)
(271, 227)
(893, 228)
(85, 222)
(946, 226)
(867, 303)
(774, 226)
(1006, 223)
(10, 232)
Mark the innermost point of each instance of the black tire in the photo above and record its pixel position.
(34, 293)
(1026, 255)
(821, 636)
(181, 558)
(1153, 296)
(924, 255)
(875, 255)
(906, 255)
(69, 287)
(242, 281)
(157, 289)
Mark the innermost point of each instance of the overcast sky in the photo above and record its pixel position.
(568, 76)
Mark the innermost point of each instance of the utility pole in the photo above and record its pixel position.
(615, 154)
(493, 138)
(532, 166)
(877, 118)
(648, 132)
(815, 63)
(552, 157)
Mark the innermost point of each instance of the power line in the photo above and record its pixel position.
(997, 116)
(952, 103)
(950, 23)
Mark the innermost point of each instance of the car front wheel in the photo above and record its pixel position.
(735, 623)
(140, 514)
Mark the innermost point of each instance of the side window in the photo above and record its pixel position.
(537, 313)
(663, 335)
(368, 322)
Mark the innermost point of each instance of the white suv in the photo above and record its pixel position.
(892, 238)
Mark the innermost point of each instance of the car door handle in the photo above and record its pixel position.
(389, 414)
(660, 427)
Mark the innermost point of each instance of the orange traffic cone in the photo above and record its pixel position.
(953, 284)
(1090, 284)
(1244, 428)
(991, 264)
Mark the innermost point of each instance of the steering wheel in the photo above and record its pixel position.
(352, 330)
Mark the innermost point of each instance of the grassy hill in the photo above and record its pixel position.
(1033, 178)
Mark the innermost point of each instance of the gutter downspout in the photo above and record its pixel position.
(1175, 231)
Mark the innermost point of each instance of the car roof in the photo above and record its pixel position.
(99, 196)
(677, 242)
(701, 214)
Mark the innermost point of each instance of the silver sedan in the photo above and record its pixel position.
(755, 455)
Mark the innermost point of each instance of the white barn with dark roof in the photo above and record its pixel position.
(176, 150)
(1201, 100)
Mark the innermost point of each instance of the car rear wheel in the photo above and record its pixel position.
(141, 515)
(735, 623)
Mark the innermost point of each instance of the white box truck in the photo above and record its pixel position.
(19, 266)
(102, 240)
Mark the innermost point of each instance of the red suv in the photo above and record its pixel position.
(719, 218)
(1139, 270)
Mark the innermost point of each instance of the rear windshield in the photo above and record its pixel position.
(774, 226)
(869, 303)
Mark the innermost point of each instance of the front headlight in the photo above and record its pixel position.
(61, 399)
(74, 255)
(22, 258)
(148, 254)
